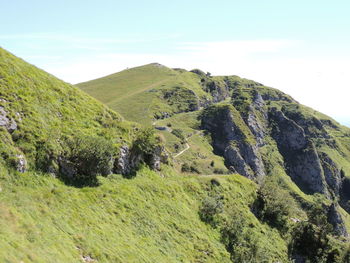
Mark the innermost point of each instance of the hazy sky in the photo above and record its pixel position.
(299, 47)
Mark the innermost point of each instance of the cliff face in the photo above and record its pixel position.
(311, 145)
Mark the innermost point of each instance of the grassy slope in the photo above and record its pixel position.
(200, 153)
(146, 219)
(47, 109)
(140, 87)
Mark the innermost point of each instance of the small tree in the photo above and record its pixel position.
(145, 141)
(88, 156)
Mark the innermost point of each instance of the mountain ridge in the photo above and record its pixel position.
(79, 183)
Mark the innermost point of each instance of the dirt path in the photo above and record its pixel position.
(184, 150)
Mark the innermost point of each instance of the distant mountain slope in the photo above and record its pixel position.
(153, 91)
(228, 124)
(78, 183)
(50, 126)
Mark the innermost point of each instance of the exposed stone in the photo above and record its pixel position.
(130, 160)
(122, 164)
(287, 133)
(229, 141)
(7, 122)
(300, 156)
(21, 163)
(335, 219)
(331, 172)
(67, 168)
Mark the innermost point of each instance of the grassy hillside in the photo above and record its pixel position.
(146, 219)
(138, 93)
(49, 112)
(195, 209)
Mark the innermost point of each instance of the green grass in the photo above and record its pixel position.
(201, 153)
(143, 88)
(47, 110)
(145, 219)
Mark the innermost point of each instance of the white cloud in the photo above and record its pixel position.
(320, 82)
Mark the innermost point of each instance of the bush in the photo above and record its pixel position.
(179, 134)
(185, 168)
(211, 206)
(88, 156)
(312, 239)
(219, 171)
(274, 205)
(145, 142)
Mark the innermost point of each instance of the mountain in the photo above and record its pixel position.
(226, 124)
(236, 172)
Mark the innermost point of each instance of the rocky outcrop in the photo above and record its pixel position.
(300, 156)
(233, 140)
(344, 193)
(6, 121)
(331, 172)
(122, 164)
(257, 119)
(21, 163)
(67, 168)
(129, 160)
(219, 92)
(336, 220)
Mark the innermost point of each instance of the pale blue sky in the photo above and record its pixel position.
(300, 47)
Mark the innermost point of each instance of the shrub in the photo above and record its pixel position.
(88, 156)
(179, 134)
(312, 238)
(211, 206)
(219, 171)
(145, 141)
(274, 205)
(185, 168)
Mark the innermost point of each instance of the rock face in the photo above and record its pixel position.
(21, 163)
(232, 141)
(258, 126)
(122, 164)
(217, 91)
(331, 172)
(129, 160)
(335, 219)
(7, 122)
(301, 158)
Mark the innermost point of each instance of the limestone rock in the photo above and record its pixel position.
(21, 163)
(300, 156)
(7, 122)
(335, 219)
(230, 141)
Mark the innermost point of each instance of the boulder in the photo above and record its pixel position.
(7, 122)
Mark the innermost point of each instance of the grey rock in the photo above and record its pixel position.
(300, 156)
(237, 162)
(21, 163)
(129, 160)
(7, 122)
(230, 142)
(256, 127)
(67, 168)
(288, 133)
(335, 219)
(331, 172)
(122, 164)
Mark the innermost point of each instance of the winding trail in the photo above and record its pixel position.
(184, 150)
